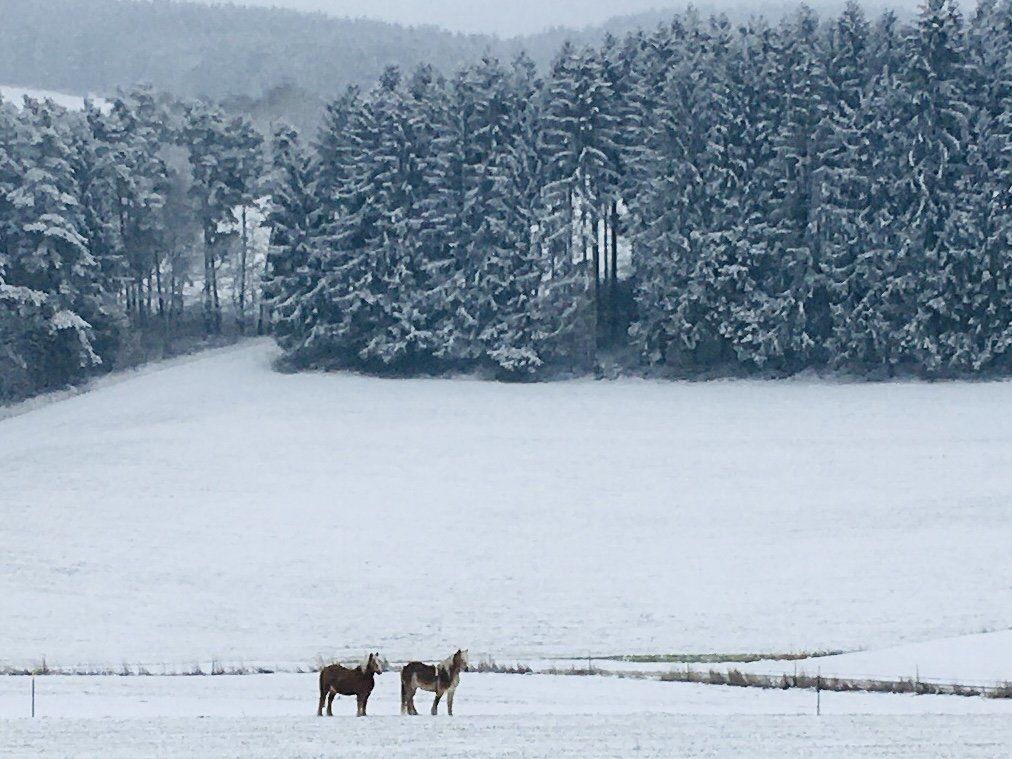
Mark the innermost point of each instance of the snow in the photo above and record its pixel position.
(853, 737)
(479, 695)
(216, 508)
(496, 715)
(982, 659)
(16, 95)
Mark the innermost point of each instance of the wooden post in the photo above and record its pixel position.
(818, 693)
(33, 696)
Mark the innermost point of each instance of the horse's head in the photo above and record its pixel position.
(374, 666)
(461, 659)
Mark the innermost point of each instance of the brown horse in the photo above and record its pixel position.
(357, 681)
(436, 678)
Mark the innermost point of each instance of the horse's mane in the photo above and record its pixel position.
(364, 666)
(447, 663)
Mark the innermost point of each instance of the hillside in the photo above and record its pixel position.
(225, 50)
(214, 508)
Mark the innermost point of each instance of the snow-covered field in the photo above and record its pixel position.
(982, 659)
(215, 508)
(16, 95)
(496, 715)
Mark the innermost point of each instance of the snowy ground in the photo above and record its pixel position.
(983, 659)
(215, 508)
(16, 95)
(497, 715)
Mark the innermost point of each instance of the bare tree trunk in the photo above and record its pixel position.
(262, 321)
(604, 238)
(583, 233)
(177, 295)
(172, 293)
(571, 224)
(242, 276)
(596, 253)
(216, 301)
(139, 285)
(613, 298)
(161, 292)
(208, 305)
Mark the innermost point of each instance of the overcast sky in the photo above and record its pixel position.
(504, 17)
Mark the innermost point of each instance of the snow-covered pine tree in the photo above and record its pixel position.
(48, 262)
(377, 255)
(578, 144)
(975, 329)
(937, 81)
(511, 266)
(618, 62)
(756, 267)
(672, 204)
(293, 288)
(783, 248)
(841, 180)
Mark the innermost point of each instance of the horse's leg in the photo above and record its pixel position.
(411, 688)
(323, 700)
(435, 704)
(330, 702)
(449, 701)
(361, 704)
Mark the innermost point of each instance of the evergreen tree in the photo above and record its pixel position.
(293, 285)
(937, 79)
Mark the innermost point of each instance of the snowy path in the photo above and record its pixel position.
(215, 508)
(497, 715)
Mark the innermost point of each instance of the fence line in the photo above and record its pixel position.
(820, 682)
(728, 677)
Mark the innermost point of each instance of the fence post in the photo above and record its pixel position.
(818, 693)
(33, 696)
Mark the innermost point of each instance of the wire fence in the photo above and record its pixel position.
(727, 675)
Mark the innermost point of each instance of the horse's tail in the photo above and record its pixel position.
(323, 693)
(404, 692)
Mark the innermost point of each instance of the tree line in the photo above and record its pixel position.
(703, 199)
(103, 215)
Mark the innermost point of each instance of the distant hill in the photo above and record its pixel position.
(222, 50)
(265, 61)
(216, 51)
